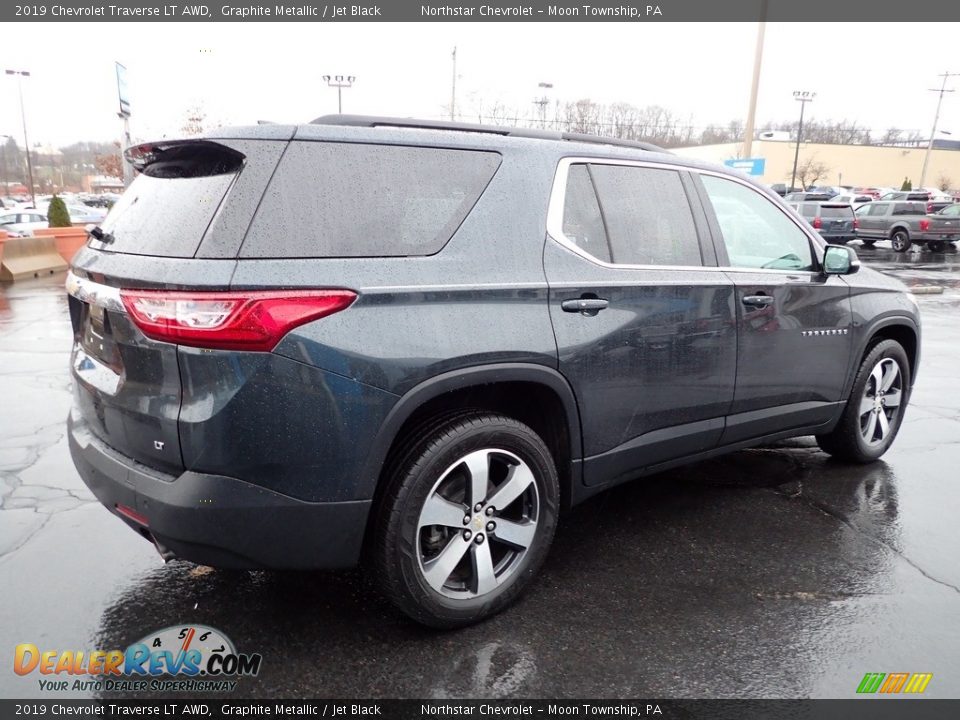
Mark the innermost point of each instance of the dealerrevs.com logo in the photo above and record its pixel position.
(191, 658)
(893, 683)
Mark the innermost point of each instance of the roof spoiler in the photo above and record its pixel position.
(183, 158)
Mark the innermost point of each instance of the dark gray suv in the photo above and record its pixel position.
(416, 343)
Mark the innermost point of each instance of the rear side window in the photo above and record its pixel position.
(582, 221)
(166, 210)
(909, 208)
(647, 215)
(353, 200)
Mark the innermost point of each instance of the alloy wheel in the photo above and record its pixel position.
(880, 404)
(477, 523)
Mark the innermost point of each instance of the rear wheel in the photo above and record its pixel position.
(936, 246)
(874, 410)
(900, 239)
(466, 521)
(868, 243)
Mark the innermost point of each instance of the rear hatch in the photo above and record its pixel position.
(836, 219)
(127, 386)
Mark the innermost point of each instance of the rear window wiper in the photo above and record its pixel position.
(97, 233)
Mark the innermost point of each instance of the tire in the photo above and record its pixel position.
(861, 436)
(900, 239)
(936, 246)
(868, 243)
(435, 567)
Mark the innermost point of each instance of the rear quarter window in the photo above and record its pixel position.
(354, 200)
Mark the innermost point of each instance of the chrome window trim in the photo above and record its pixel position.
(556, 207)
(94, 293)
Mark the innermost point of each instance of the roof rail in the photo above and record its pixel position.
(376, 121)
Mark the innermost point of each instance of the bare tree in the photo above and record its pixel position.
(944, 182)
(811, 170)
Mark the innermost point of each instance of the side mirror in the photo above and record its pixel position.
(840, 260)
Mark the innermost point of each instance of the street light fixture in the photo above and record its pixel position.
(803, 97)
(339, 82)
(21, 74)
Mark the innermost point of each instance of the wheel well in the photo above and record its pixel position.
(904, 335)
(533, 404)
(894, 230)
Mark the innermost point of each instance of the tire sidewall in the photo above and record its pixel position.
(503, 434)
(900, 240)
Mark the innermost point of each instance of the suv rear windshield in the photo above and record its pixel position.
(836, 211)
(167, 209)
(331, 199)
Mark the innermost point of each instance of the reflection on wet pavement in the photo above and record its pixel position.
(772, 572)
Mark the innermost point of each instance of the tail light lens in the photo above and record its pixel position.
(817, 223)
(924, 224)
(929, 207)
(856, 224)
(254, 321)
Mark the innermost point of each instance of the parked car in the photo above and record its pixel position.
(947, 222)
(830, 190)
(873, 192)
(424, 341)
(22, 222)
(853, 200)
(833, 221)
(903, 223)
(933, 203)
(800, 197)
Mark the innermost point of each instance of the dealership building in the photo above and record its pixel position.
(855, 165)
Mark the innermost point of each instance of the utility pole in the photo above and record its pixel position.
(6, 180)
(936, 118)
(803, 97)
(339, 82)
(543, 102)
(453, 87)
(23, 117)
(748, 130)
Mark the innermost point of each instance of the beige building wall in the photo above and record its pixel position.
(862, 165)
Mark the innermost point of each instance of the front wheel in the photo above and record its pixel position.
(900, 240)
(466, 521)
(875, 408)
(868, 243)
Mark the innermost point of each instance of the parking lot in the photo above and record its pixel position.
(773, 572)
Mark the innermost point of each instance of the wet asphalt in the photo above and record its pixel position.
(773, 572)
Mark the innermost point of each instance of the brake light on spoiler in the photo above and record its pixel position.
(254, 321)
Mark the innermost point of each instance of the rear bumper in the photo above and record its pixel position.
(216, 520)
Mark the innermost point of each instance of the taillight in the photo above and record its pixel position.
(816, 223)
(253, 321)
(929, 207)
(924, 224)
(856, 224)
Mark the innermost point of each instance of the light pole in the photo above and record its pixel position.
(543, 102)
(23, 117)
(748, 129)
(803, 97)
(936, 117)
(339, 82)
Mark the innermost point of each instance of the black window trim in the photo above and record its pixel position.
(558, 193)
